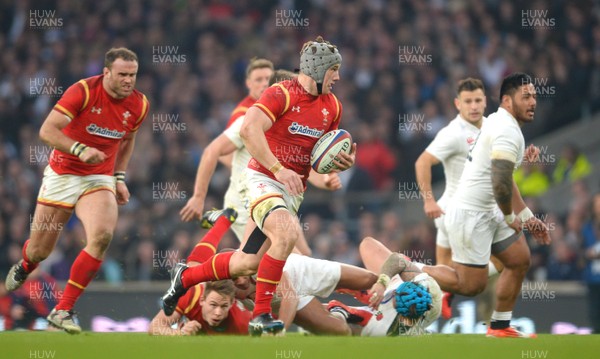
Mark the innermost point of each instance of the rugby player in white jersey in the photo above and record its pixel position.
(450, 147)
(481, 219)
(403, 301)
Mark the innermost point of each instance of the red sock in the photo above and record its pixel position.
(28, 265)
(210, 242)
(267, 278)
(215, 268)
(83, 270)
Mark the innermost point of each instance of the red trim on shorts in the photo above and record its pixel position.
(57, 205)
(96, 190)
(261, 199)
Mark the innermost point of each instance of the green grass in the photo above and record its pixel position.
(58, 345)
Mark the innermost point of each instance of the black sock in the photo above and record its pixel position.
(499, 324)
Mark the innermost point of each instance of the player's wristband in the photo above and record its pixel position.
(120, 176)
(78, 148)
(525, 215)
(510, 218)
(383, 279)
(276, 168)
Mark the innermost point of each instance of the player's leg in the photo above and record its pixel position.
(208, 245)
(443, 256)
(316, 319)
(516, 258)
(373, 253)
(443, 253)
(56, 200)
(356, 278)
(97, 211)
(46, 226)
(470, 235)
(283, 229)
(220, 266)
(302, 245)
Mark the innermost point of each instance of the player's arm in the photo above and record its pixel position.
(534, 225)
(124, 152)
(289, 301)
(122, 160)
(253, 131)
(503, 188)
(330, 182)
(423, 171)
(52, 135)
(220, 146)
(227, 160)
(395, 263)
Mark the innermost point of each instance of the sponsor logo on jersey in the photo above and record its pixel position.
(104, 132)
(296, 128)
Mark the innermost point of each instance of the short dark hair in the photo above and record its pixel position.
(469, 84)
(119, 53)
(258, 64)
(224, 287)
(281, 75)
(512, 82)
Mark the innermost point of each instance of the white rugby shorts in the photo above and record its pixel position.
(474, 234)
(65, 190)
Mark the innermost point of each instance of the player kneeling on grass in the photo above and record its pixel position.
(404, 301)
(211, 309)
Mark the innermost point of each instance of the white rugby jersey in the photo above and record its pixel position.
(451, 147)
(501, 137)
(240, 157)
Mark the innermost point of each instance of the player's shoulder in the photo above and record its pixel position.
(246, 102)
(499, 122)
(138, 96)
(93, 82)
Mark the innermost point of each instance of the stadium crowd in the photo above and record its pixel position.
(192, 60)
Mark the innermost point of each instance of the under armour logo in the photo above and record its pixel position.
(96, 110)
(295, 108)
(126, 114)
(269, 293)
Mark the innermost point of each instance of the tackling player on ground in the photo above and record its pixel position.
(92, 131)
(403, 301)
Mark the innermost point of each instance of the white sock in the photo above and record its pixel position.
(501, 315)
(492, 270)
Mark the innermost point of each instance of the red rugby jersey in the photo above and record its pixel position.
(299, 120)
(235, 323)
(241, 109)
(97, 120)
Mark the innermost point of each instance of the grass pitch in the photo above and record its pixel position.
(58, 345)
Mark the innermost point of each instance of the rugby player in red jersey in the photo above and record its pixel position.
(92, 132)
(289, 116)
(211, 309)
(258, 73)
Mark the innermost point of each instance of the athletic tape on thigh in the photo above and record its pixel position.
(255, 241)
(262, 210)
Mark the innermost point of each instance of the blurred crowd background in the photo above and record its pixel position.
(212, 42)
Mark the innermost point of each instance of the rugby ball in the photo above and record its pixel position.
(327, 148)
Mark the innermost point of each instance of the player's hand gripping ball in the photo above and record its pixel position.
(327, 148)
